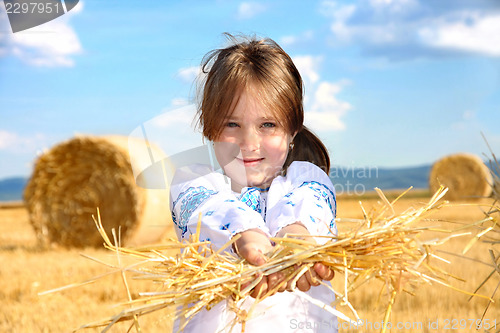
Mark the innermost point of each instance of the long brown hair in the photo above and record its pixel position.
(264, 65)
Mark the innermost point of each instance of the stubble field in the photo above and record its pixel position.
(27, 270)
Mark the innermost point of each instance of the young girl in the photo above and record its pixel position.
(274, 182)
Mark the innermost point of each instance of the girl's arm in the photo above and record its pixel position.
(305, 195)
(303, 203)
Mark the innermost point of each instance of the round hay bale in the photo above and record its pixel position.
(74, 178)
(465, 176)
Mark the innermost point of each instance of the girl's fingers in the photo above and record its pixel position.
(323, 272)
(303, 284)
(260, 289)
(274, 279)
(312, 277)
(253, 256)
(281, 282)
(283, 287)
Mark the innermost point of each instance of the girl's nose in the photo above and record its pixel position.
(250, 140)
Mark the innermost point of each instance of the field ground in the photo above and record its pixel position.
(27, 270)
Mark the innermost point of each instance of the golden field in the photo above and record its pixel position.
(27, 270)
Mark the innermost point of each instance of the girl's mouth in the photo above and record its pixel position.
(250, 162)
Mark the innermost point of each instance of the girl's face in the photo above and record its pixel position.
(252, 147)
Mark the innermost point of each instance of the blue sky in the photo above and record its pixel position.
(389, 83)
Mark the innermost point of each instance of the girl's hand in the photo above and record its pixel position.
(313, 276)
(252, 246)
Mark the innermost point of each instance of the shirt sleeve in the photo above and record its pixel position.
(197, 190)
(306, 195)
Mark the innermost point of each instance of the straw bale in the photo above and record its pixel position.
(75, 177)
(465, 176)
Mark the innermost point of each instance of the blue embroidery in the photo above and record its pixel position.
(225, 226)
(209, 213)
(251, 197)
(190, 200)
(324, 193)
(174, 218)
(333, 226)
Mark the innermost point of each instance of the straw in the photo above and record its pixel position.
(490, 229)
(385, 246)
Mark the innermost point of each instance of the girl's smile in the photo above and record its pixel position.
(249, 162)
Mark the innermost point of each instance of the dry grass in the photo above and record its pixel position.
(435, 303)
(26, 270)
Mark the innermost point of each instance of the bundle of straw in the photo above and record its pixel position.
(385, 246)
(465, 176)
(73, 178)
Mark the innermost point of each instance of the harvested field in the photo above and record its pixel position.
(27, 270)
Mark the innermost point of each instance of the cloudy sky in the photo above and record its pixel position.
(389, 83)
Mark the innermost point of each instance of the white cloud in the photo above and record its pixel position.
(172, 131)
(468, 115)
(13, 142)
(189, 74)
(308, 67)
(179, 102)
(248, 10)
(471, 33)
(182, 116)
(295, 39)
(394, 6)
(323, 121)
(326, 109)
(7, 139)
(468, 121)
(340, 15)
(392, 27)
(323, 110)
(49, 45)
(367, 32)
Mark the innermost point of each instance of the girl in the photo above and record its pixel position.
(274, 182)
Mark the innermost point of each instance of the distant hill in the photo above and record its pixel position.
(11, 189)
(346, 180)
(361, 180)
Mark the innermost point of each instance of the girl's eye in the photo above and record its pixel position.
(231, 124)
(268, 125)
